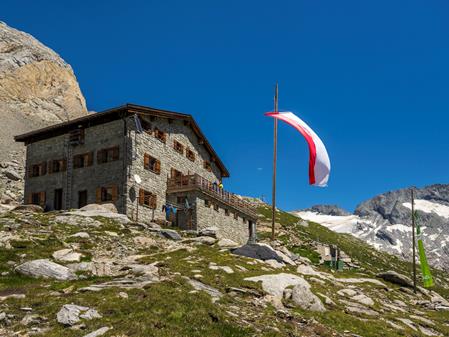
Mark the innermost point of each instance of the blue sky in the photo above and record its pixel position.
(371, 77)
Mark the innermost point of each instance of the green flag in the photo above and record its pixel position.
(426, 275)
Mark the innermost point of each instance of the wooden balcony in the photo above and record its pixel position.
(196, 182)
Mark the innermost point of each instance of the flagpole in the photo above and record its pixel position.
(275, 143)
(413, 238)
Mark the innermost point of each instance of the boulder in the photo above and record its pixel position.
(275, 284)
(12, 175)
(28, 208)
(258, 251)
(363, 299)
(303, 297)
(71, 314)
(108, 207)
(46, 269)
(170, 234)
(396, 278)
(214, 293)
(347, 292)
(67, 255)
(274, 264)
(205, 240)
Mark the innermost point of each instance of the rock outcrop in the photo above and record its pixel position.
(37, 88)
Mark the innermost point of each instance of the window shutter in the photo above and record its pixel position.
(141, 196)
(98, 195)
(114, 193)
(29, 199)
(50, 167)
(30, 171)
(172, 173)
(44, 168)
(90, 158)
(100, 156)
(153, 201)
(158, 167)
(115, 153)
(64, 165)
(146, 161)
(42, 199)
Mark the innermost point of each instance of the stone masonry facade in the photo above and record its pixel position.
(114, 170)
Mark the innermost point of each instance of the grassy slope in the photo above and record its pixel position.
(171, 308)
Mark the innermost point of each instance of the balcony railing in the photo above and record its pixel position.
(195, 181)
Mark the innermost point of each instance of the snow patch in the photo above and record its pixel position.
(429, 207)
(339, 224)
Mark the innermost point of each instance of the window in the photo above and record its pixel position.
(58, 165)
(244, 220)
(83, 160)
(226, 212)
(175, 173)
(37, 170)
(151, 163)
(216, 207)
(236, 216)
(146, 126)
(106, 194)
(190, 154)
(37, 198)
(76, 137)
(207, 166)
(147, 199)
(160, 135)
(206, 203)
(178, 147)
(108, 155)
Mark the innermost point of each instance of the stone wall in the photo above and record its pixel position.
(87, 178)
(157, 183)
(228, 227)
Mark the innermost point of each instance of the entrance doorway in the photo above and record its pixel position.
(57, 203)
(82, 198)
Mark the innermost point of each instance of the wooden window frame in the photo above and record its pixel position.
(87, 159)
(37, 170)
(151, 164)
(40, 199)
(174, 173)
(103, 191)
(178, 147)
(207, 166)
(190, 155)
(108, 155)
(147, 199)
(160, 135)
(57, 165)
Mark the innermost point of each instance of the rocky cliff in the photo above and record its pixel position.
(385, 222)
(37, 88)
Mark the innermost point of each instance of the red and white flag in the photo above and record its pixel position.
(319, 163)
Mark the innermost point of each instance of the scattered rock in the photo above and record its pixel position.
(363, 299)
(71, 314)
(99, 332)
(347, 292)
(11, 174)
(170, 234)
(28, 208)
(209, 231)
(81, 235)
(303, 297)
(144, 241)
(214, 293)
(67, 255)
(274, 264)
(257, 251)
(205, 240)
(227, 243)
(396, 278)
(46, 269)
(274, 284)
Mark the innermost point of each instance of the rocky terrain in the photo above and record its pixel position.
(37, 88)
(93, 272)
(385, 222)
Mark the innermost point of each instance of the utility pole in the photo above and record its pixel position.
(275, 145)
(413, 238)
